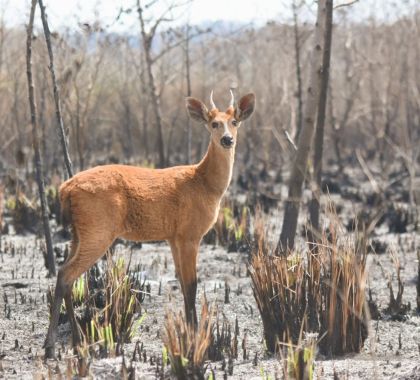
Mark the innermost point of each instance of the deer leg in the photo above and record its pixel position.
(188, 276)
(60, 290)
(88, 251)
(76, 340)
(175, 256)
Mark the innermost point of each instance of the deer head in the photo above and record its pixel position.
(223, 126)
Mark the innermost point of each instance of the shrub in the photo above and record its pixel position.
(185, 347)
(322, 291)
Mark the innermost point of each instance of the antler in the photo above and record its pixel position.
(232, 99)
(213, 106)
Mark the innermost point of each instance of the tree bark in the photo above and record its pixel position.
(298, 70)
(35, 142)
(80, 138)
(314, 205)
(42, 121)
(298, 172)
(188, 79)
(60, 124)
(147, 44)
(144, 107)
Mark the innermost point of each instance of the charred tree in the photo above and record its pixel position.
(297, 43)
(57, 102)
(147, 39)
(299, 168)
(188, 82)
(314, 205)
(35, 142)
(144, 107)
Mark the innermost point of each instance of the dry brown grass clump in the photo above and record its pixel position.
(109, 315)
(280, 296)
(342, 315)
(107, 304)
(321, 292)
(185, 347)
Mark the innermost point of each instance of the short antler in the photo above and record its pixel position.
(213, 106)
(232, 99)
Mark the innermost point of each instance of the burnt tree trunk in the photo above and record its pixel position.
(43, 122)
(314, 205)
(298, 172)
(144, 108)
(298, 70)
(79, 133)
(188, 80)
(35, 142)
(147, 39)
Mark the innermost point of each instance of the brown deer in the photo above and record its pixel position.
(178, 204)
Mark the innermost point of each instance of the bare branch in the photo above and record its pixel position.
(163, 17)
(60, 124)
(346, 4)
(176, 44)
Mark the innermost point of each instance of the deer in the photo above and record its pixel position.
(178, 204)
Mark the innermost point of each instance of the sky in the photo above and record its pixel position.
(69, 13)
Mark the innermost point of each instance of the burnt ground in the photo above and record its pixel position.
(392, 350)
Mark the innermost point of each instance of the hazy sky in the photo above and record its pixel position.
(70, 12)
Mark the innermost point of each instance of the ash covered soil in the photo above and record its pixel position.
(392, 350)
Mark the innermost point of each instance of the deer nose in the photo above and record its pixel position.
(226, 141)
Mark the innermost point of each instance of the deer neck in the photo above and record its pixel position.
(216, 168)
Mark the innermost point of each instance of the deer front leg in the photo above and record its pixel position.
(187, 256)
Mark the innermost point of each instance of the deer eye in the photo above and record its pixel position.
(214, 124)
(234, 122)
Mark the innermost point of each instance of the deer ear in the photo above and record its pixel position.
(197, 110)
(245, 107)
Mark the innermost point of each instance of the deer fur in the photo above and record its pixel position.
(178, 204)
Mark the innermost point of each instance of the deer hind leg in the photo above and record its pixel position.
(187, 261)
(175, 256)
(60, 290)
(88, 251)
(76, 340)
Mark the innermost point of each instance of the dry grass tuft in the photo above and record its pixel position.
(186, 348)
(343, 315)
(322, 291)
(110, 307)
(107, 304)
